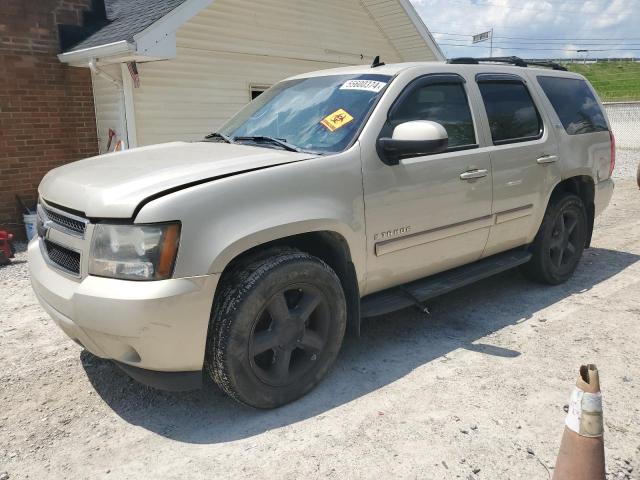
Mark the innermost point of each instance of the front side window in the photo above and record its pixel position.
(575, 104)
(444, 103)
(512, 114)
(319, 114)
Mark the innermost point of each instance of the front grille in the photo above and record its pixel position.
(62, 257)
(65, 221)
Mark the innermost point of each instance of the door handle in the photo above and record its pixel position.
(473, 174)
(547, 159)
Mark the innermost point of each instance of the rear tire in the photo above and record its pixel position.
(560, 241)
(276, 328)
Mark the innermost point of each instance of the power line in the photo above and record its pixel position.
(539, 39)
(532, 49)
(509, 7)
(483, 27)
(575, 2)
(577, 44)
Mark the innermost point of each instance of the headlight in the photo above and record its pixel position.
(134, 252)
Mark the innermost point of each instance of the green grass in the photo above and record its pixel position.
(614, 81)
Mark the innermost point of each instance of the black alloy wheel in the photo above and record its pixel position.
(289, 335)
(276, 328)
(565, 239)
(560, 241)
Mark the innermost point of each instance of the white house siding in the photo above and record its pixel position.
(236, 43)
(400, 30)
(109, 107)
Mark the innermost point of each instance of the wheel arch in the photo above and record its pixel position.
(328, 245)
(584, 187)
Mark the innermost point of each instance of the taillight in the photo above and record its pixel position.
(612, 165)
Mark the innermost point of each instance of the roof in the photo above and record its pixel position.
(390, 69)
(393, 69)
(127, 18)
(144, 30)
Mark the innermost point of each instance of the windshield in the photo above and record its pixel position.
(319, 114)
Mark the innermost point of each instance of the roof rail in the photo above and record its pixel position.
(544, 63)
(517, 61)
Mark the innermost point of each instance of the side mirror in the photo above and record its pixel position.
(413, 139)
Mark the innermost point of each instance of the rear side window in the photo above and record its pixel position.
(513, 117)
(445, 103)
(575, 104)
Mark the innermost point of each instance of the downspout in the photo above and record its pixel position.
(118, 84)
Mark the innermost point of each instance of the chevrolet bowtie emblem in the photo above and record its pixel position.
(42, 227)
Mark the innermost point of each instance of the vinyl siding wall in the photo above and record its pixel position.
(400, 30)
(109, 107)
(236, 43)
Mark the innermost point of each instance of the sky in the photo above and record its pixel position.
(535, 28)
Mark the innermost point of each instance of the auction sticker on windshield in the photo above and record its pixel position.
(336, 120)
(367, 85)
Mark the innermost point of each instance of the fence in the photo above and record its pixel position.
(625, 123)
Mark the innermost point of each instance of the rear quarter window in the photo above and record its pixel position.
(575, 104)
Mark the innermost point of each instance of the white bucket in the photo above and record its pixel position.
(30, 222)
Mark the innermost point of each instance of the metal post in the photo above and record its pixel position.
(491, 48)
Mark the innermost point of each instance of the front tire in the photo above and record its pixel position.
(277, 327)
(559, 244)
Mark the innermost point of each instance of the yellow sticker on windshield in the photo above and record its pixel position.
(336, 120)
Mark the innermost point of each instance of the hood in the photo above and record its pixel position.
(113, 185)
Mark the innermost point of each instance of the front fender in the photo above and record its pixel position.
(276, 232)
(226, 217)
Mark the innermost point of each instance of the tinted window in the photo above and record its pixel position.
(444, 103)
(575, 104)
(512, 115)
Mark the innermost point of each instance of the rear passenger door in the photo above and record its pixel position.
(524, 159)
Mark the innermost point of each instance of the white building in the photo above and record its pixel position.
(199, 61)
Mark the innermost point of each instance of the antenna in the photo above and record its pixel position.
(377, 62)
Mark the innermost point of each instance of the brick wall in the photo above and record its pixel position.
(47, 117)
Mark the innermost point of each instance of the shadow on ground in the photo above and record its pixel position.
(391, 346)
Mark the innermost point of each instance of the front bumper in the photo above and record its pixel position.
(158, 325)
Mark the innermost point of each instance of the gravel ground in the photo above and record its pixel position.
(627, 161)
(476, 390)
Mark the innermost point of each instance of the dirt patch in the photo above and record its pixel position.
(478, 386)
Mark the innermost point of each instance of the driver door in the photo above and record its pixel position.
(429, 213)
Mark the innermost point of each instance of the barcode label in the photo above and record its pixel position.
(368, 85)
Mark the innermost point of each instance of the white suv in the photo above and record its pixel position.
(334, 195)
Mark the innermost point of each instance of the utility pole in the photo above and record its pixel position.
(491, 48)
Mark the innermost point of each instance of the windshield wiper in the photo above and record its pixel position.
(224, 137)
(275, 141)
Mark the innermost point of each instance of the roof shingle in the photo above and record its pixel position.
(127, 18)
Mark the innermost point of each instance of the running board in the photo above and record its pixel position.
(414, 293)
